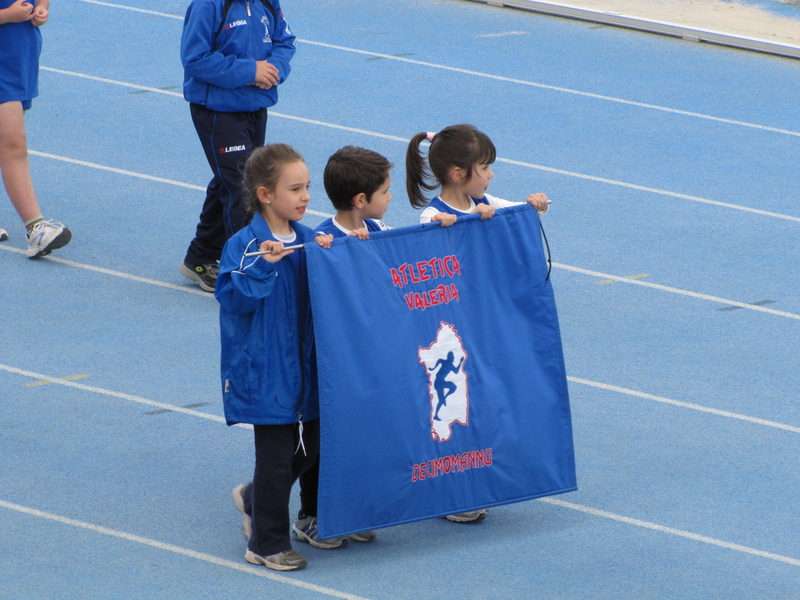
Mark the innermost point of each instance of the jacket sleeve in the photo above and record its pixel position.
(199, 59)
(283, 43)
(243, 282)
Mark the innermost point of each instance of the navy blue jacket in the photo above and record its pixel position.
(218, 73)
(268, 364)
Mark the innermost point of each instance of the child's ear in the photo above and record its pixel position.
(457, 174)
(264, 195)
(360, 201)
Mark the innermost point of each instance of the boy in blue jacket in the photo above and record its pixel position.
(235, 53)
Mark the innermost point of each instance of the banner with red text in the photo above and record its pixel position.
(441, 372)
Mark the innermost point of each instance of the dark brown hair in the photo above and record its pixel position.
(263, 169)
(460, 146)
(351, 171)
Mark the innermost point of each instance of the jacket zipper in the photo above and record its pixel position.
(249, 14)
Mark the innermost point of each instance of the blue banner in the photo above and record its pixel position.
(441, 372)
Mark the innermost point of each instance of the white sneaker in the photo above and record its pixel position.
(47, 236)
(238, 500)
(3, 235)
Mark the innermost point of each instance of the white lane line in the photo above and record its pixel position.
(190, 186)
(642, 188)
(504, 79)
(203, 415)
(397, 139)
(678, 532)
(679, 291)
(244, 567)
(120, 395)
(698, 407)
(72, 263)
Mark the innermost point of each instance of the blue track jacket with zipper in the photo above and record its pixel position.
(218, 73)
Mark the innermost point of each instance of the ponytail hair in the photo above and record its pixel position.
(263, 169)
(460, 146)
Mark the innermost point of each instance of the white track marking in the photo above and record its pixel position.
(203, 415)
(671, 531)
(713, 411)
(396, 139)
(501, 78)
(673, 290)
(120, 395)
(244, 567)
(642, 188)
(72, 263)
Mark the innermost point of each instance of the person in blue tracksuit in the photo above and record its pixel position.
(268, 364)
(235, 54)
(459, 159)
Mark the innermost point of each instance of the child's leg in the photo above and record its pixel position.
(309, 488)
(14, 161)
(277, 467)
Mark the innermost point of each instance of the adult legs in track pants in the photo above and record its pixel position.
(228, 139)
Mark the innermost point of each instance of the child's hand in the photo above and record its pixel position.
(485, 211)
(267, 75)
(40, 16)
(19, 12)
(445, 219)
(324, 240)
(540, 202)
(275, 250)
(361, 233)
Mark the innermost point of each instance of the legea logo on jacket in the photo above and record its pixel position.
(447, 382)
(231, 149)
(235, 24)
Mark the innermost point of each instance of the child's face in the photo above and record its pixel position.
(479, 182)
(379, 201)
(290, 197)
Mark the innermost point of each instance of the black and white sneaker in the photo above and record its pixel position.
(45, 237)
(205, 275)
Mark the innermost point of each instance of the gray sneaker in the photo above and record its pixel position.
(468, 517)
(205, 275)
(363, 536)
(288, 560)
(45, 237)
(238, 500)
(305, 530)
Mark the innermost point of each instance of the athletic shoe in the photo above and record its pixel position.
(238, 500)
(363, 536)
(205, 275)
(3, 235)
(468, 517)
(47, 236)
(288, 560)
(305, 530)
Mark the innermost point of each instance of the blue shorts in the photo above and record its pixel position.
(20, 46)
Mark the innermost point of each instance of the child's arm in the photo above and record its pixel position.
(444, 219)
(244, 282)
(199, 59)
(19, 12)
(283, 45)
